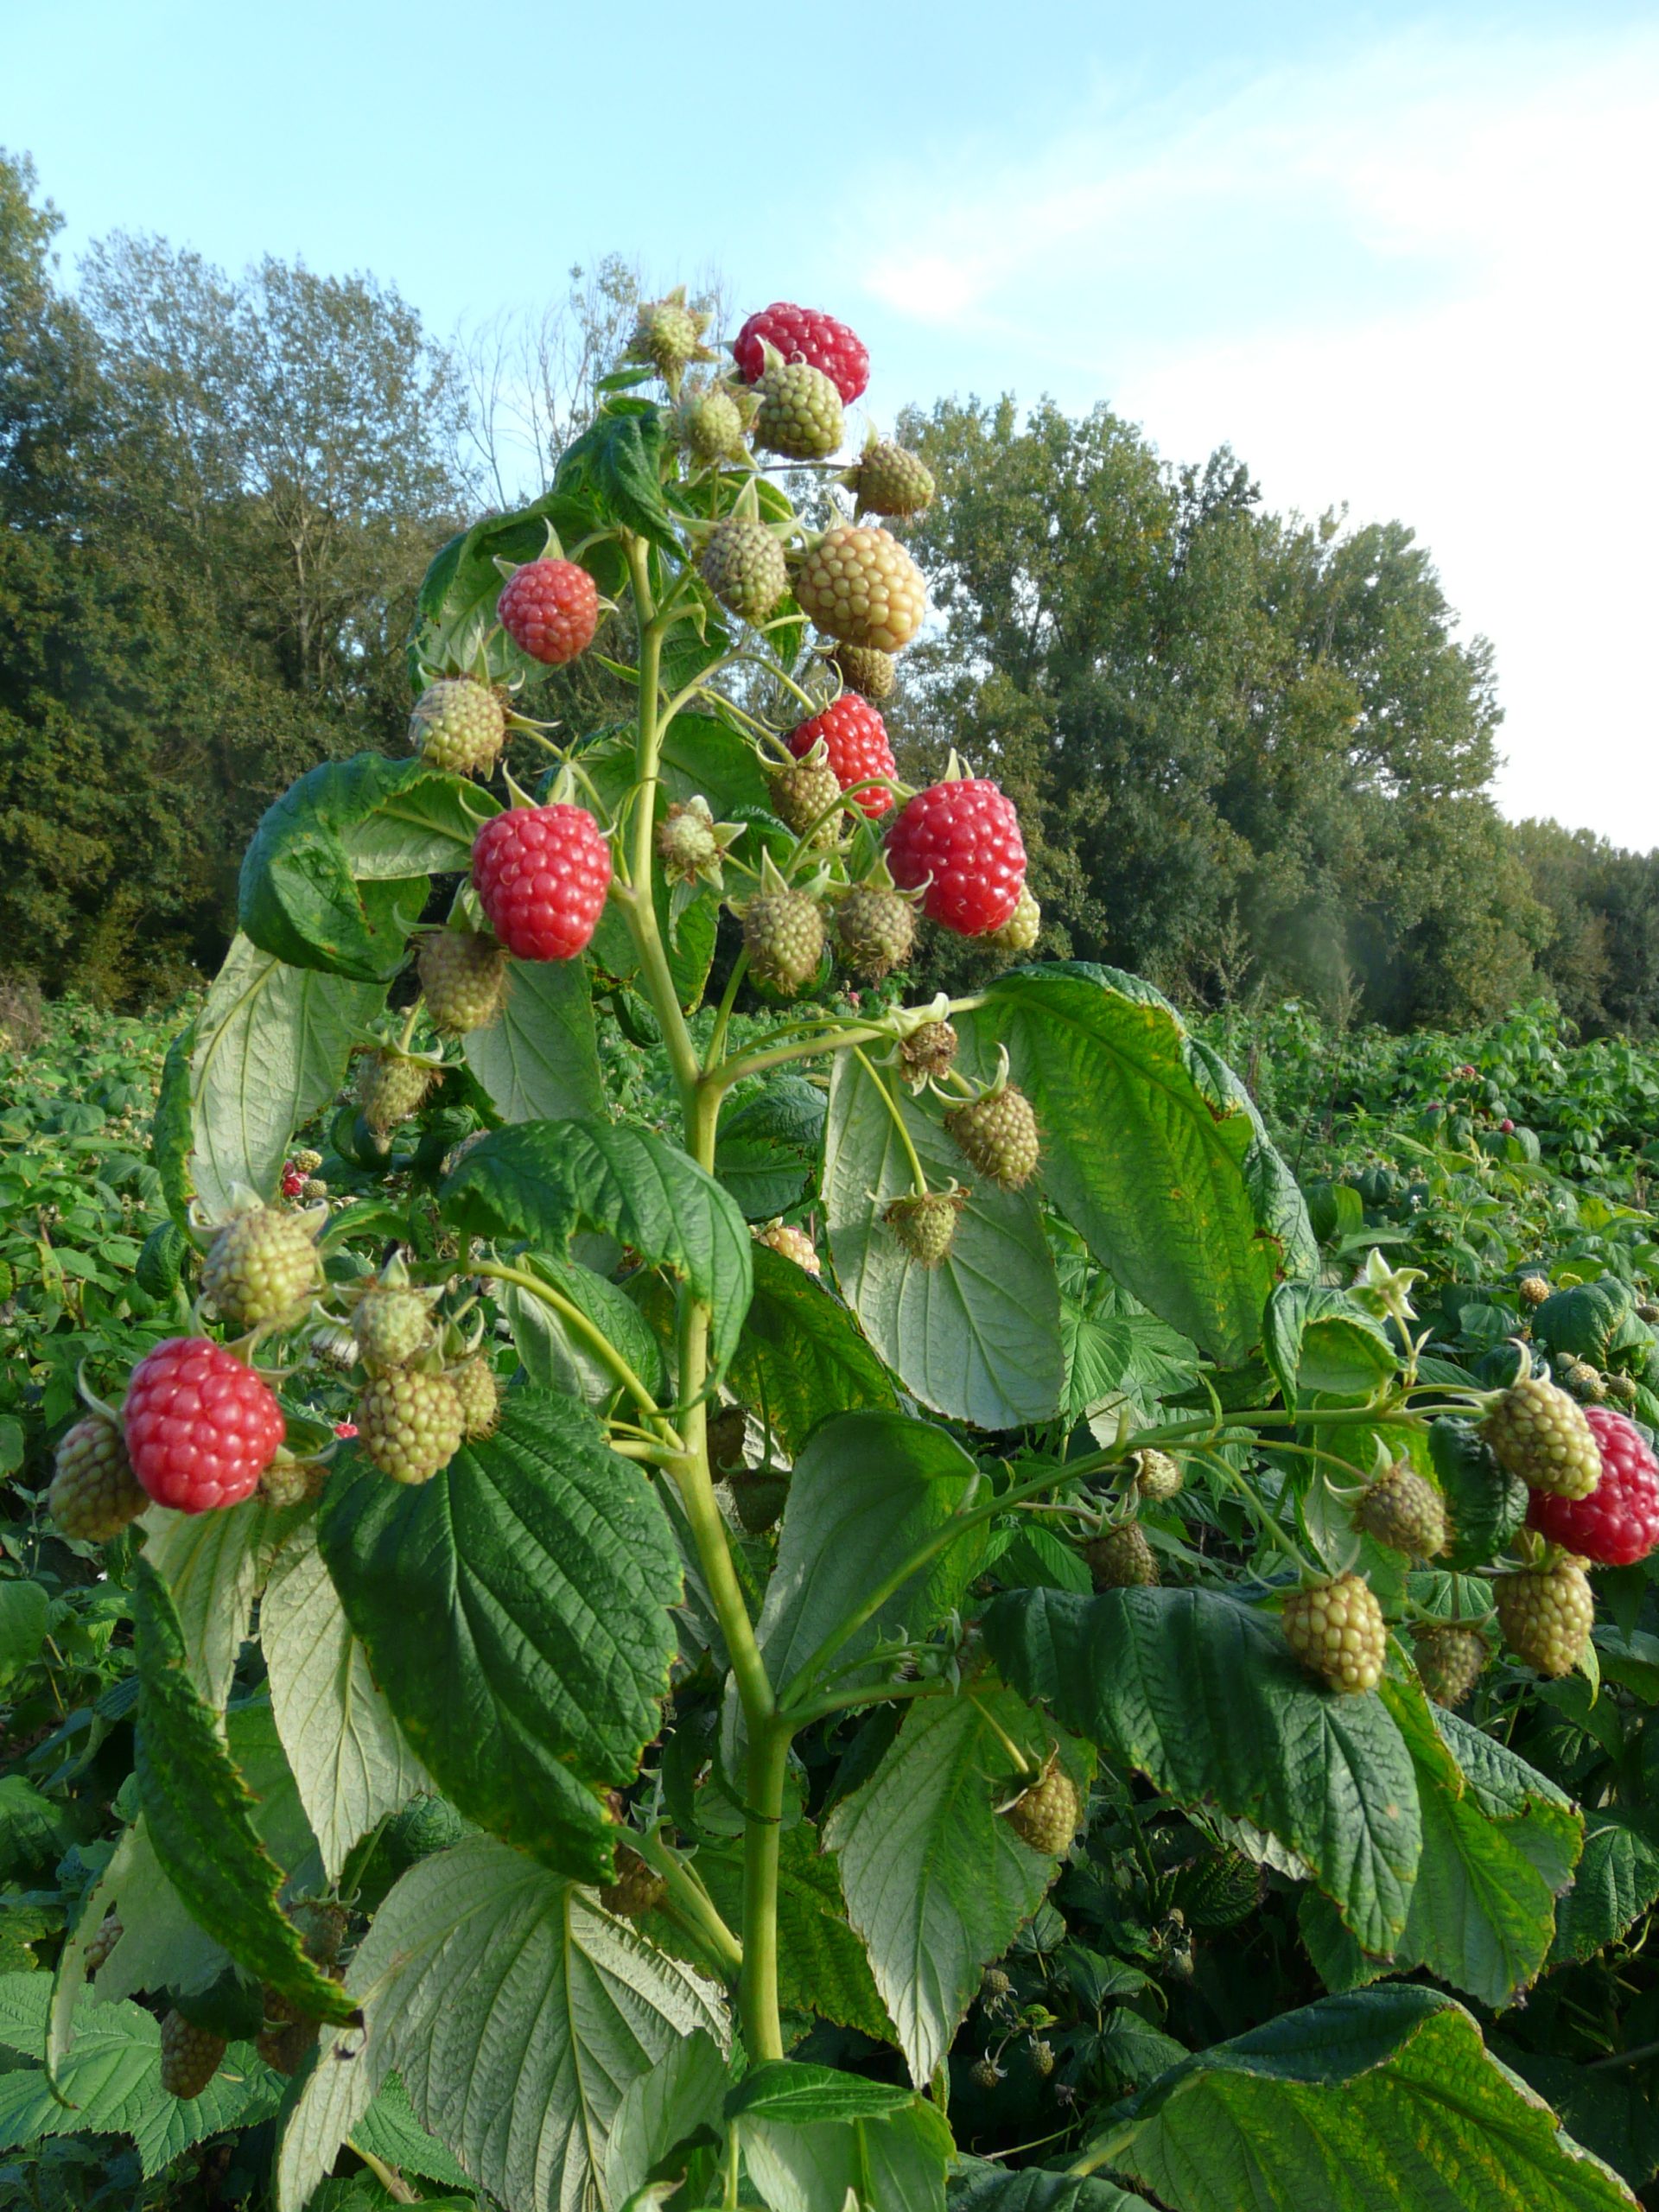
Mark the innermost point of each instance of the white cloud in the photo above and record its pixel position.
(1418, 279)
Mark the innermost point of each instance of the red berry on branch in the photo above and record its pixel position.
(803, 335)
(1618, 1522)
(550, 610)
(542, 873)
(345, 1428)
(201, 1427)
(293, 1186)
(962, 841)
(855, 738)
(1506, 1127)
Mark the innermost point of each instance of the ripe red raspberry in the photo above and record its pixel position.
(542, 873)
(201, 1427)
(1618, 1522)
(962, 841)
(293, 1186)
(855, 738)
(803, 335)
(550, 610)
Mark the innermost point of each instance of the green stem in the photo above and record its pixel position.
(395, 2186)
(763, 1813)
(723, 1016)
(827, 1041)
(693, 1903)
(572, 1315)
(917, 1173)
(802, 1716)
(408, 1037)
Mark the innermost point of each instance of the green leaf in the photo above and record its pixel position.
(390, 2130)
(681, 2096)
(214, 1564)
(1384, 2101)
(111, 2082)
(1483, 1909)
(1319, 1340)
(515, 1612)
(517, 2015)
(350, 1762)
(544, 1180)
(978, 2187)
(35, 1830)
(616, 462)
(1152, 1148)
(454, 614)
(270, 1047)
(340, 868)
(1617, 1881)
(540, 1061)
(814, 2140)
(555, 1355)
(977, 1338)
(769, 1146)
(801, 1358)
(24, 1607)
(172, 1131)
(937, 1883)
(868, 1489)
(1485, 1503)
(200, 1811)
(822, 1965)
(161, 1946)
(1200, 1694)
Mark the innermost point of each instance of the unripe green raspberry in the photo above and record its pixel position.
(1450, 1657)
(1336, 1631)
(285, 2048)
(686, 844)
(1402, 1511)
(809, 792)
(391, 1086)
(464, 977)
(997, 1136)
(104, 1941)
(262, 1268)
(1042, 2058)
(1540, 1434)
(409, 1424)
(1533, 1289)
(1019, 934)
(306, 1163)
(459, 725)
(391, 1326)
(94, 1494)
(1648, 1312)
(479, 1394)
(1046, 1815)
(1586, 1381)
(190, 2057)
(639, 1888)
(1623, 1387)
(315, 1190)
(928, 1051)
(799, 415)
(288, 1483)
(888, 479)
(925, 1223)
(321, 1924)
(877, 930)
(867, 670)
(1156, 1475)
(710, 427)
(784, 932)
(994, 1984)
(862, 587)
(760, 1495)
(669, 335)
(984, 2073)
(743, 565)
(1121, 1559)
(728, 1433)
(1547, 1614)
(790, 1244)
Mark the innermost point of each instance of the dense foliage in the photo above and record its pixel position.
(866, 1598)
(1252, 751)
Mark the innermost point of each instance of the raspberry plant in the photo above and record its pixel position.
(683, 1677)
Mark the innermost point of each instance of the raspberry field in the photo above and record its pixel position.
(689, 1532)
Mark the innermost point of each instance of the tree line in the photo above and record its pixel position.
(1252, 751)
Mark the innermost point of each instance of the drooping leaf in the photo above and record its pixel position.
(540, 1061)
(616, 463)
(545, 1179)
(937, 1882)
(976, 1337)
(1384, 2101)
(801, 1357)
(516, 2014)
(338, 869)
(270, 1047)
(515, 1613)
(1201, 1694)
(350, 1761)
(200, 1811)
(1152, 1147)
(214, 1564)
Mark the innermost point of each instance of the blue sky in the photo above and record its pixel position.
(1404, 260)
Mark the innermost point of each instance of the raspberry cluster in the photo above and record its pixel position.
(1618, 1522)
